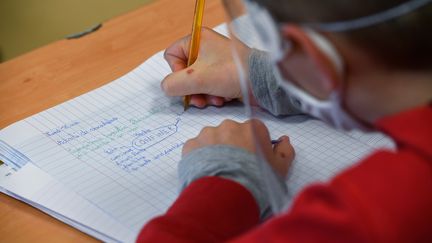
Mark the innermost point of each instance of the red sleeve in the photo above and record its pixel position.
(386, 198)
(211, 209)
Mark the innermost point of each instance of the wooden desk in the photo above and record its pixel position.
(64, 69)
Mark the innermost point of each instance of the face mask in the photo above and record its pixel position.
(330, 110)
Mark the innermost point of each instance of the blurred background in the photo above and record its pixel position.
(28, 24)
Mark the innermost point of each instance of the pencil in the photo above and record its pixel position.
(194, 41)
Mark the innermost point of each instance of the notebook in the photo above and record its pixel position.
(106, 162)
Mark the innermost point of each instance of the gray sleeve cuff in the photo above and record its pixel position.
(265, 88)
(228, 162)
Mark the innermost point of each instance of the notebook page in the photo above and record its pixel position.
(119, 145)
(35, 187)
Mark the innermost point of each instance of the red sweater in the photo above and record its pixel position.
(385, 198)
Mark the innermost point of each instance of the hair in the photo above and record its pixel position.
(405, 42)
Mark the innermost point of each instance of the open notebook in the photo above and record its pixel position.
(105, 162)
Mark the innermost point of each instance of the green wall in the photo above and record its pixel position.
(28, 24)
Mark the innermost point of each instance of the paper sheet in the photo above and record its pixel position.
(40, 190)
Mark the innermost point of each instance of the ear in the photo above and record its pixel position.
(322, 73)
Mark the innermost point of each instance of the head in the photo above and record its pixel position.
(387, 66)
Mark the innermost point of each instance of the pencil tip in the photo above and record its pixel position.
(186, 101)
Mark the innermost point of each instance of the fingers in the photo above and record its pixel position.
(183, 82)
(214, 73)
(190, 145)
(283, 155)
(180, 82)
(198, 101)
(177, 54)
(202, 101)
(206, 137)
(177, 65)
(246, 135)
(260, 129)
(215, 100)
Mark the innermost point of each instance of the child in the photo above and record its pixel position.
(384, 84)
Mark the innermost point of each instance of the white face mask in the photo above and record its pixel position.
(331, 110)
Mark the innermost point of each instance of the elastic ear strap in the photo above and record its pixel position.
(327, 48)
(265, 28)
(321, 51)
(370, 20)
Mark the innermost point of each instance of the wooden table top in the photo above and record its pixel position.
(65, 69)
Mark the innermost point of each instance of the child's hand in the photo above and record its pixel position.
(232, 133)
(212, 79)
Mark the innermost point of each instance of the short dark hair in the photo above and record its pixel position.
(405, 41)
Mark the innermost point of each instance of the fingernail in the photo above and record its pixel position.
(162, 85)
(276, 142)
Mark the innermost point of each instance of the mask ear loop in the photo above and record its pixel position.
(320, 51)
(267, 30)
(332, 109)
(338, 95)
(371, 20)
(273, 185)
(326, 49)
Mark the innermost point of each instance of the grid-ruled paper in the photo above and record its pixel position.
(118, 146)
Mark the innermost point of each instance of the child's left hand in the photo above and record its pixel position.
(232, 133)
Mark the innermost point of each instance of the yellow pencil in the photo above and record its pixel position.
(194, 41)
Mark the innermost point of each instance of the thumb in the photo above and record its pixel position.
(177, 54)
(183, 82)
(283, 156)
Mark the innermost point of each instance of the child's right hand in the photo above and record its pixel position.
(212, 79)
